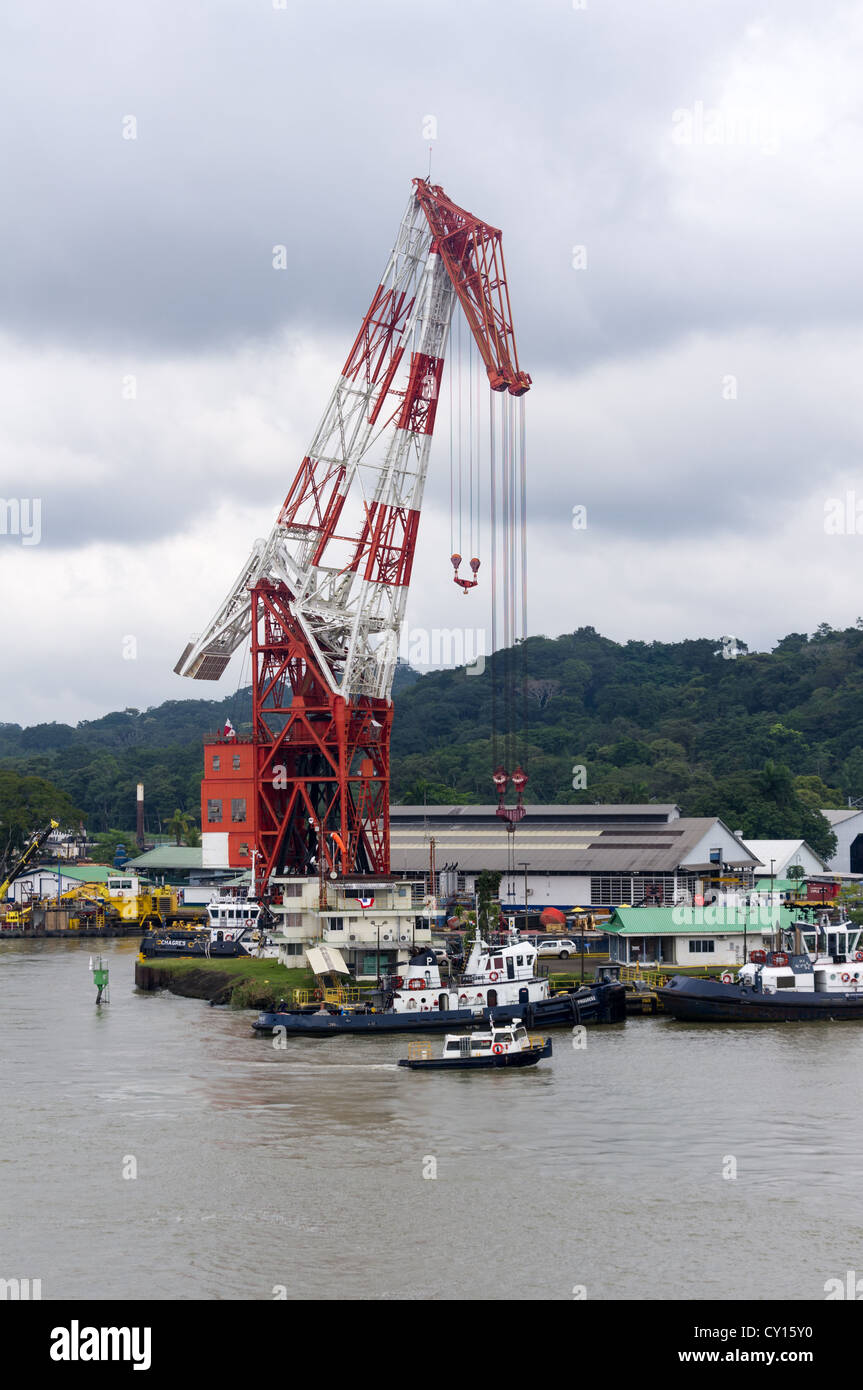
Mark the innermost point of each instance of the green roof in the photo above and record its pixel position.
(660, 921)
(84, 873)
(167, 857)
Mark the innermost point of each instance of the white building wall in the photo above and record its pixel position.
(214, 849)
(547, 890)
(846, 832)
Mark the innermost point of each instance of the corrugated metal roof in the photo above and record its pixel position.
(82, 873)
(659, 921)
(781, 852)
(651, 812)
(836, 817)
(594, 849)
(168, 857)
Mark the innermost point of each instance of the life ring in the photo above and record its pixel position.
(845, 977)
(319, 994)
(780, 958)
(498, 1047)
(494, 976)
(728, 978)
(398, 981)
(416, 984)
(858, 955)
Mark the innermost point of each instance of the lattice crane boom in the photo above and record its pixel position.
(324, 595)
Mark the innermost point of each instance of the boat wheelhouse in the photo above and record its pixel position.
(232, 917)
(493, 976)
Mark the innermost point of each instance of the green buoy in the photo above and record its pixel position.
(100, 979)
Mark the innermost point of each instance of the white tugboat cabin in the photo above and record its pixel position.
(822, 957)
(232, 917)
(493, 976)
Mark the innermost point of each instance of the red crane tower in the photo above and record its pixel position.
(324, 596)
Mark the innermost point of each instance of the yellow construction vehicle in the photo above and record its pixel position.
(14, 916)
(125, 898)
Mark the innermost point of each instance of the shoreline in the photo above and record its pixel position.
(241, 982)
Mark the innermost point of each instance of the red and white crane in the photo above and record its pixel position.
(324, 596)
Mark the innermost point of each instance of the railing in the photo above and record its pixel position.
(343, 995)
(419, 1051)
(633, 974)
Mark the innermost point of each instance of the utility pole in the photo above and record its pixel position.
(524, 866)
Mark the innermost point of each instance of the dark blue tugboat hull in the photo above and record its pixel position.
(699, 1000)
(602, 1004)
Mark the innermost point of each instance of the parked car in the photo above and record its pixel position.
(560, 946)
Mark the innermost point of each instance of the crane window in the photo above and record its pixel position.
(238, 810)
(214, 812)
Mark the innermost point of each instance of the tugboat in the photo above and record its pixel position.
(233, 929)
(498, 986)
(817, 973)
(507, 1046)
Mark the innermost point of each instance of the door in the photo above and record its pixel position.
(492, 999)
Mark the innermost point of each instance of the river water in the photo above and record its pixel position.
(262, 1170)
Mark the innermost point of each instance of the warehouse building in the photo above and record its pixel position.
(848, 829)
(568, 856)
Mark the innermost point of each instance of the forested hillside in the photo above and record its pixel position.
(761, 740)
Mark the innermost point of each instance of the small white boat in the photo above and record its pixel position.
(484, 1050)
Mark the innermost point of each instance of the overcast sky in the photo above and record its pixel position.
(680, 193)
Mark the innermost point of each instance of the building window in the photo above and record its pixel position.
(701, 947)
(238, 810)
(216, 762)
(336, 923)
(214, 812)
(292, 890)
(292, 919)
(292, 948)
(235, 762)
(244, 851)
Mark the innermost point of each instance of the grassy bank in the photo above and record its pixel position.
(240, 981)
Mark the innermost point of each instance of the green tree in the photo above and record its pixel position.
(179, 826)
(27, 804)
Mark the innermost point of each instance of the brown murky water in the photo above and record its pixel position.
(260, 1169)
